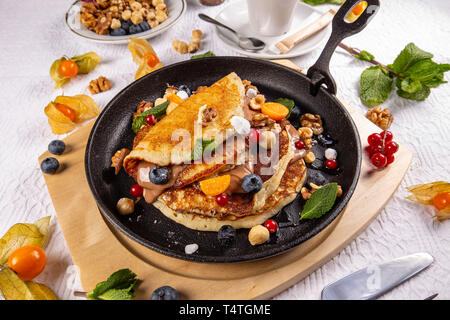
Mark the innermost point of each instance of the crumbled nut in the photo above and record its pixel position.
(153, 23)
(159, 101)
(306, 194)
(306, 136)
(161, 6)
(208, 115)
(382, 118)
(310, 157)
(126, 15)
(339, 191)
(312, 121)
(103, 24)
(261, 120)
(125, 206)
(115, 24)
(256, 102)
(135, 6)
(196, 41)
(99, 85)
(142, 106)
(248, 85)
(258, 235)
(136, 17)
(180, 46)
(117, 159)
(161, 16)
(150, 16)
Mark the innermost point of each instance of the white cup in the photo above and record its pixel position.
(271, 17)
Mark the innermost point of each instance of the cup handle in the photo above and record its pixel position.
(319, 73)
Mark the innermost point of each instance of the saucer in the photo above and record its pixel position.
(235, 15)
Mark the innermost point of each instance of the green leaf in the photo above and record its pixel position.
(408, 85)
(288, 103)
(317, 2)
(158, 111)
(419, 95)
(119, 286)
(364, 55)
(321, 201)
(86, 62)
(203, 55)
(201, 146)
(375, 86)
(408, 57)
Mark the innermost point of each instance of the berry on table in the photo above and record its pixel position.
(56, 147)
(374, 139)
(441, 200)
(164, 293)
(49, 165)
(388, 134)
(379, 160)
(390, 159)
(391, 147)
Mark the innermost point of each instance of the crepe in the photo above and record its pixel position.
(226, 96)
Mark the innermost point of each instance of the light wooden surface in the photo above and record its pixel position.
(98, 250)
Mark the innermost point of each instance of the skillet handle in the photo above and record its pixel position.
(319, 73)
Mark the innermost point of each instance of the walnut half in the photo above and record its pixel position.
(312, 121)
(117, 159)
(99, 85)
(382, 118)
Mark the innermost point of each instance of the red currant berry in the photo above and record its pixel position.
(331, 164)
(253, 136)
(222, 199)
(136, 190)
(300, 144)
(388, 134)
(390, 159)
(271, 225)
(379, 160)
(150, 119)
(374, 139)
(369, 150)
(391, 147)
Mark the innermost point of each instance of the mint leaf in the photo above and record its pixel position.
(364, 55)
(408, 57)
(203, 55)
(288, 103)
(321, 201)
(200, 146)
(408, 85)
(375, 86)
(119, 286)
(158, 111)
(419, 95)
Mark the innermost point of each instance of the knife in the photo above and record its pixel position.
(375, 280)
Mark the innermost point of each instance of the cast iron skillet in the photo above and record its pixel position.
(149, 227)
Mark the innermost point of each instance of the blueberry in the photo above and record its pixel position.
(56, 147)
(251, 183)
(185, 89)
(159, 175)
(118, 32)
(144, 26)
(125, 25)
(49, 165)
(135, 28)
(164, 293)
(226, 235)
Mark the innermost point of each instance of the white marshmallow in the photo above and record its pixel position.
(182, 94)
(251, 93)
(330, 154)
(191, 248)
(241, 125)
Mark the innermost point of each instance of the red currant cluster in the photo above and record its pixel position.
(381, 148)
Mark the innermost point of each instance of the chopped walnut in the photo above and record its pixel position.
(136, 17)
(306, 193)
(256, 102)
(99, 85)
(208, 115)
(117, 159)
(306, 136)
(261, 120)
(382, 118)
(142, 106)
(312, 121)
(103, 24)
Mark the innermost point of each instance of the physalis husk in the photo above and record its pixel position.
(425, 193)
(139, 48)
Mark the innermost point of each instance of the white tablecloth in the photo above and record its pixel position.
(33, 34)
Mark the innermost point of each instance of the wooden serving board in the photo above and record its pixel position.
(99, 250)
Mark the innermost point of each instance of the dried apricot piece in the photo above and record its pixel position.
(215, 186)
(275, 111)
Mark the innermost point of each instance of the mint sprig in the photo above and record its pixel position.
(203, 55)
(320, 202)
(158, 111)
(288, 103)
(119, 286)
(201, 146)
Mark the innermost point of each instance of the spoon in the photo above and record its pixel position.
(246, 43)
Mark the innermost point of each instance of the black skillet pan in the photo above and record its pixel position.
(149, 227)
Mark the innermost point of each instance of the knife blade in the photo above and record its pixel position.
(375, 280)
